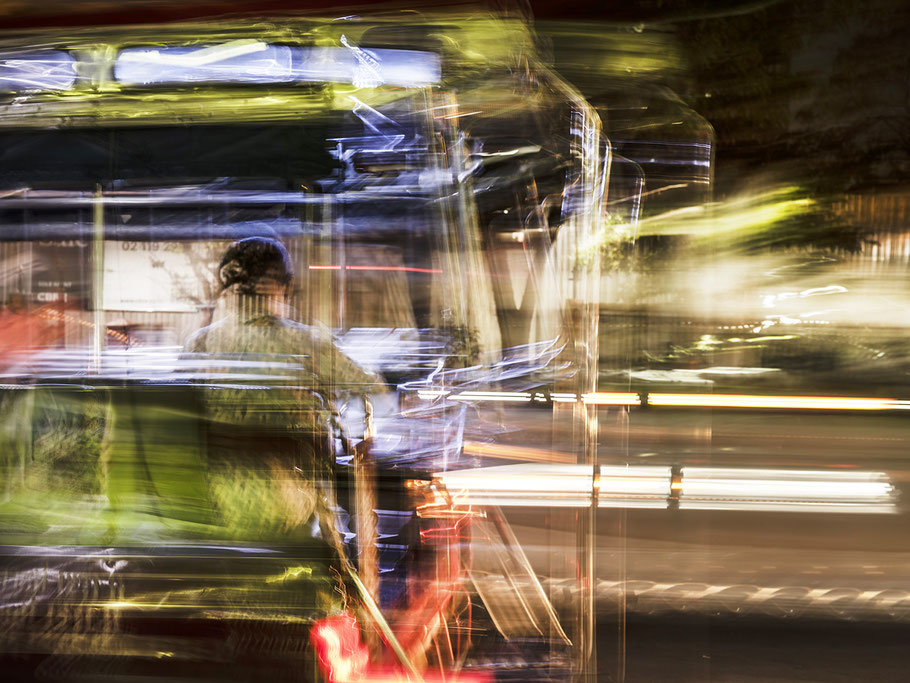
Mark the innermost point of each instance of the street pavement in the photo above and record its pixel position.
(734, 595)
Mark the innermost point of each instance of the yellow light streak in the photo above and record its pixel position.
(290, 573)
(124, 604)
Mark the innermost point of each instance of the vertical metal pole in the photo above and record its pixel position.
(341, 259)
(97, 279)
(587, 529)
(586, 286)
(324, 290)
(365, 515)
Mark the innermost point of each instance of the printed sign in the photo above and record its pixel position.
(60, 272)
(157, 276)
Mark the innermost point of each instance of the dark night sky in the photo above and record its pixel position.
(790, 80)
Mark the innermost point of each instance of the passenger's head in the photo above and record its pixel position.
(256, 265)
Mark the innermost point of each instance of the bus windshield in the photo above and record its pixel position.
(347, 192)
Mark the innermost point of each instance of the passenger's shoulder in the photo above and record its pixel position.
(196, 341)
(314, 332)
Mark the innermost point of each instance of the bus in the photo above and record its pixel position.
(435, 192)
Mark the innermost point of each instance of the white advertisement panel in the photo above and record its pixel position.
(157, 276)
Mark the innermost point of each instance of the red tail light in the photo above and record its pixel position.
(345, 659)
(342, 657)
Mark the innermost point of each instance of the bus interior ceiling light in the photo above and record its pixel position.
(198, 57)
(245, 61)
(37, 70)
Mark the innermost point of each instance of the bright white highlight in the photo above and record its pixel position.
(36, 71)
(697, 488)
(706, 488)
(611, 399)
(783, 402)
(252, 61)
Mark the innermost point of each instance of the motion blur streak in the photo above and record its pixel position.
(267, 63)
(523, 453)
(37, 70)
(700, 488)
(491, 396)
(532, 485)
(346, 659)
(840, 603)
(686, 400)
(709, 488)
(784, 402)
(236, 255)
(612, 399)
(392, 269)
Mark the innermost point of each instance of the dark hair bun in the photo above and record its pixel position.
(248, 260)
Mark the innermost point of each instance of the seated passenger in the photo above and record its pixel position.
(268, 401)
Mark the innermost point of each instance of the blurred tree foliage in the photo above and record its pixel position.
(853, 126)
(67, 436)
(807, 94)
(814, 92)
(742, 84)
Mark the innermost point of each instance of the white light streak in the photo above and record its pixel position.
(252, 61)
(563, 397)
(657, 399)
(200, 57)
(521, 397)
(431, 393)
(699, 488)
(611, 399)
(637, 486)
(783, 402)
(525, 485)
(706, 488)
(36, 71)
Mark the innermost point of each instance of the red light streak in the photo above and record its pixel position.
(398, 269)
(337, 642)
(450, 532)
(345, 659)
